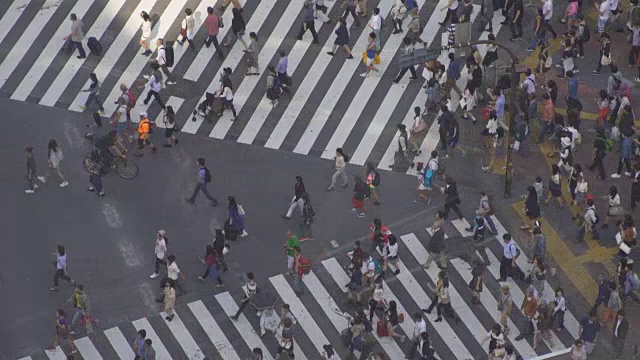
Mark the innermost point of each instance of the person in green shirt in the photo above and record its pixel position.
(292, 243)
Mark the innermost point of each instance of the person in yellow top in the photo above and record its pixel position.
(144, 132)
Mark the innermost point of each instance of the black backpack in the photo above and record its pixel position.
(169, 57)
(207, 175)
(376, 179)
(586, 34)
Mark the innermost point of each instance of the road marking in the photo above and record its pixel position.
(12, 15)
(50, 51)
(73, 136)
(111, 215)
(66, 74)
(110, 58)
(243, 326)
(119, 343)
(183, 337)
(129, 253)
(161, 351)
(146, 292)
(20, 48)
(248, 83)
(56, 354)
(213, 331)
(86, 349)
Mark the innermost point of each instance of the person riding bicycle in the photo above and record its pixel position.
(108, 145)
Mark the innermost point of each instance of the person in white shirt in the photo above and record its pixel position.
(419, 328)
(418, 130)
(174, 274)
(613, 200)
(368, 270)
(227, 98)
(391, 254)
(161, 58)
(603, 15)
(340, 166)
(375, 24)
(146, 33)
(452, 10)
(561, 307)
(154, 85)
(188, 29)
(160, 252)
(547, 12)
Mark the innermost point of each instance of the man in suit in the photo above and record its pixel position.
(620, 330)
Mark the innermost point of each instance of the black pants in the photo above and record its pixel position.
(231, 107)
(166, 72)
(635, 194)
(546, 25)
(434, 302)
(158, 262)
(448, 205)
(201, 187)
(214, 39)
(598, 162)
(516, 29)
(243, 304)
(156, 95)
(404, 71)
(450, 13)
(622, 163)
(506, 267)
(443, 140)
(60, 274)
(580, 45)
(96, 182)
(356, 18)
(216, 273)
(311, 26)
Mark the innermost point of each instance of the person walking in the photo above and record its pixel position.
(154, 84)
(188, 29)
(308, 23)
(375, 23)
(452, 11)
(93, 90)
(605, 51)
(342, 39)
(476, 285)
(203, 179)
(532, 208)
(452, 198)
(589, 224)
(138, 344)
(169, 299)
(350, 8)
(289, 246)
(62, 332)
(308, 216)
(614, 207)
(560, 308)
(515, 24)
(398, 14)
(250, 292)
(626, 152)
(161, 59)
(169, 120)
(238, 27)
(160, 252)
(495, 337)
(401, 157)
(236, 216)
(437, 244)
(175, 275)
(55, 156)
(213, 28)
(555, 188)
(340, 166)
(408, 50)
(222, 249)
(297, 201)
(361, 191)
(601, 146)
(144, 133)
(620, 331)
(76, 36)
(508, 261)
(588, 330)
(370, 54)
(61, 268)
(505, 306)
(146, 33)
(80, 302)
(149, 351)
(529, 308)
(253, 66)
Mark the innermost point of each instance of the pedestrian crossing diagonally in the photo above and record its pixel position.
(204, 328)
(331, 105)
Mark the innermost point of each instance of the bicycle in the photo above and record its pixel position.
(124, 167)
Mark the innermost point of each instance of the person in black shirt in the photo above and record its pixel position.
(109, 146)
(598, 154)
(445, 122)
(452, 198)
(552, 88)
(516, 24)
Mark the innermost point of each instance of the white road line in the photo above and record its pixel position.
(119, 343)
(86, 349)
(161, 351)
(66, 74)
(213, 331)
(466, 314)
(249, 335)
(518, 297)
(269, 49)
(29, 35)
(325, 301)
(173, 101)
(56, 354)
(12, 15)
(26, 358)
(571, 323)
(139, 62)
(383, 115)
(186, 341)
(48, 54)
(259, 116)
(232, 59)
(199, 64)
(305, 320)
(339, 84)
(491, 304)
(111, 56)
(388, 344)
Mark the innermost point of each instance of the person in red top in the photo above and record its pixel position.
(379, 234)
(213, 28)
(212, 266)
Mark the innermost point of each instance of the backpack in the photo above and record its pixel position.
(305, 265)
(169, 57)
(586, 34)
(376, 263)
(608, 145)
(207, 175)
(132, 99)
(376, 179)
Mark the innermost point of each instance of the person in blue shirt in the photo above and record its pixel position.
(454, 72)
(308, 23)
(589, 328)
(203, 178)
(138, 345)
(572, 86)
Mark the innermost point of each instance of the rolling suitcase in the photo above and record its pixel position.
(94, 46)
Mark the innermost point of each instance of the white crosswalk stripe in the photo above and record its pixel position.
(317, 105)
(407, 289)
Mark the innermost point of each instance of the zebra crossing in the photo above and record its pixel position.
(203, 329)
(331, 106)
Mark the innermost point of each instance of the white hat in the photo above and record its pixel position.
(161, 232)
(143, 114)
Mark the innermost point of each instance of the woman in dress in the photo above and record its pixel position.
(615, 209)
(342, 39)
(169, 299)
(169, 120)
(62, 331)
(531, 207)
(54, 157)
(146, 33)
(236, 216)
(555, 189)
(391, 318)
(538, 278)
(492, 53)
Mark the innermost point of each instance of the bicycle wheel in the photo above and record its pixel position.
(88, 164)
(127, 169)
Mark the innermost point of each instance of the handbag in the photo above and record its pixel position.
(605, 60)
(364, 58)
(616, 211)
(183, 32)
(376, 59)
(220, 22)
(615, 133)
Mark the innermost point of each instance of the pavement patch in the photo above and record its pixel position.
(111, 215)
(129, 253)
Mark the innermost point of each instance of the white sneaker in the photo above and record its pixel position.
(171, 82)
(35, 186)
(43, 179)
(146, 77)
(154, 275)
(29, 191)
(615, 176)
(363, 75)
(244, 233)
(627, 173)
(64, 183)
(82, 107)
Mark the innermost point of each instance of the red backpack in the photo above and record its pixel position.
(305, 265)
(132, 99)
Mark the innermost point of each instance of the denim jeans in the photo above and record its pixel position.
(91, 98)
(201, 187)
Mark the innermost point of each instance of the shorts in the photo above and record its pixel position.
(168, 132)
(142, 143)
(579, 197)
(369, 61)
(145, 39)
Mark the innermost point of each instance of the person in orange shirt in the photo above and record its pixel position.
(144, 132)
